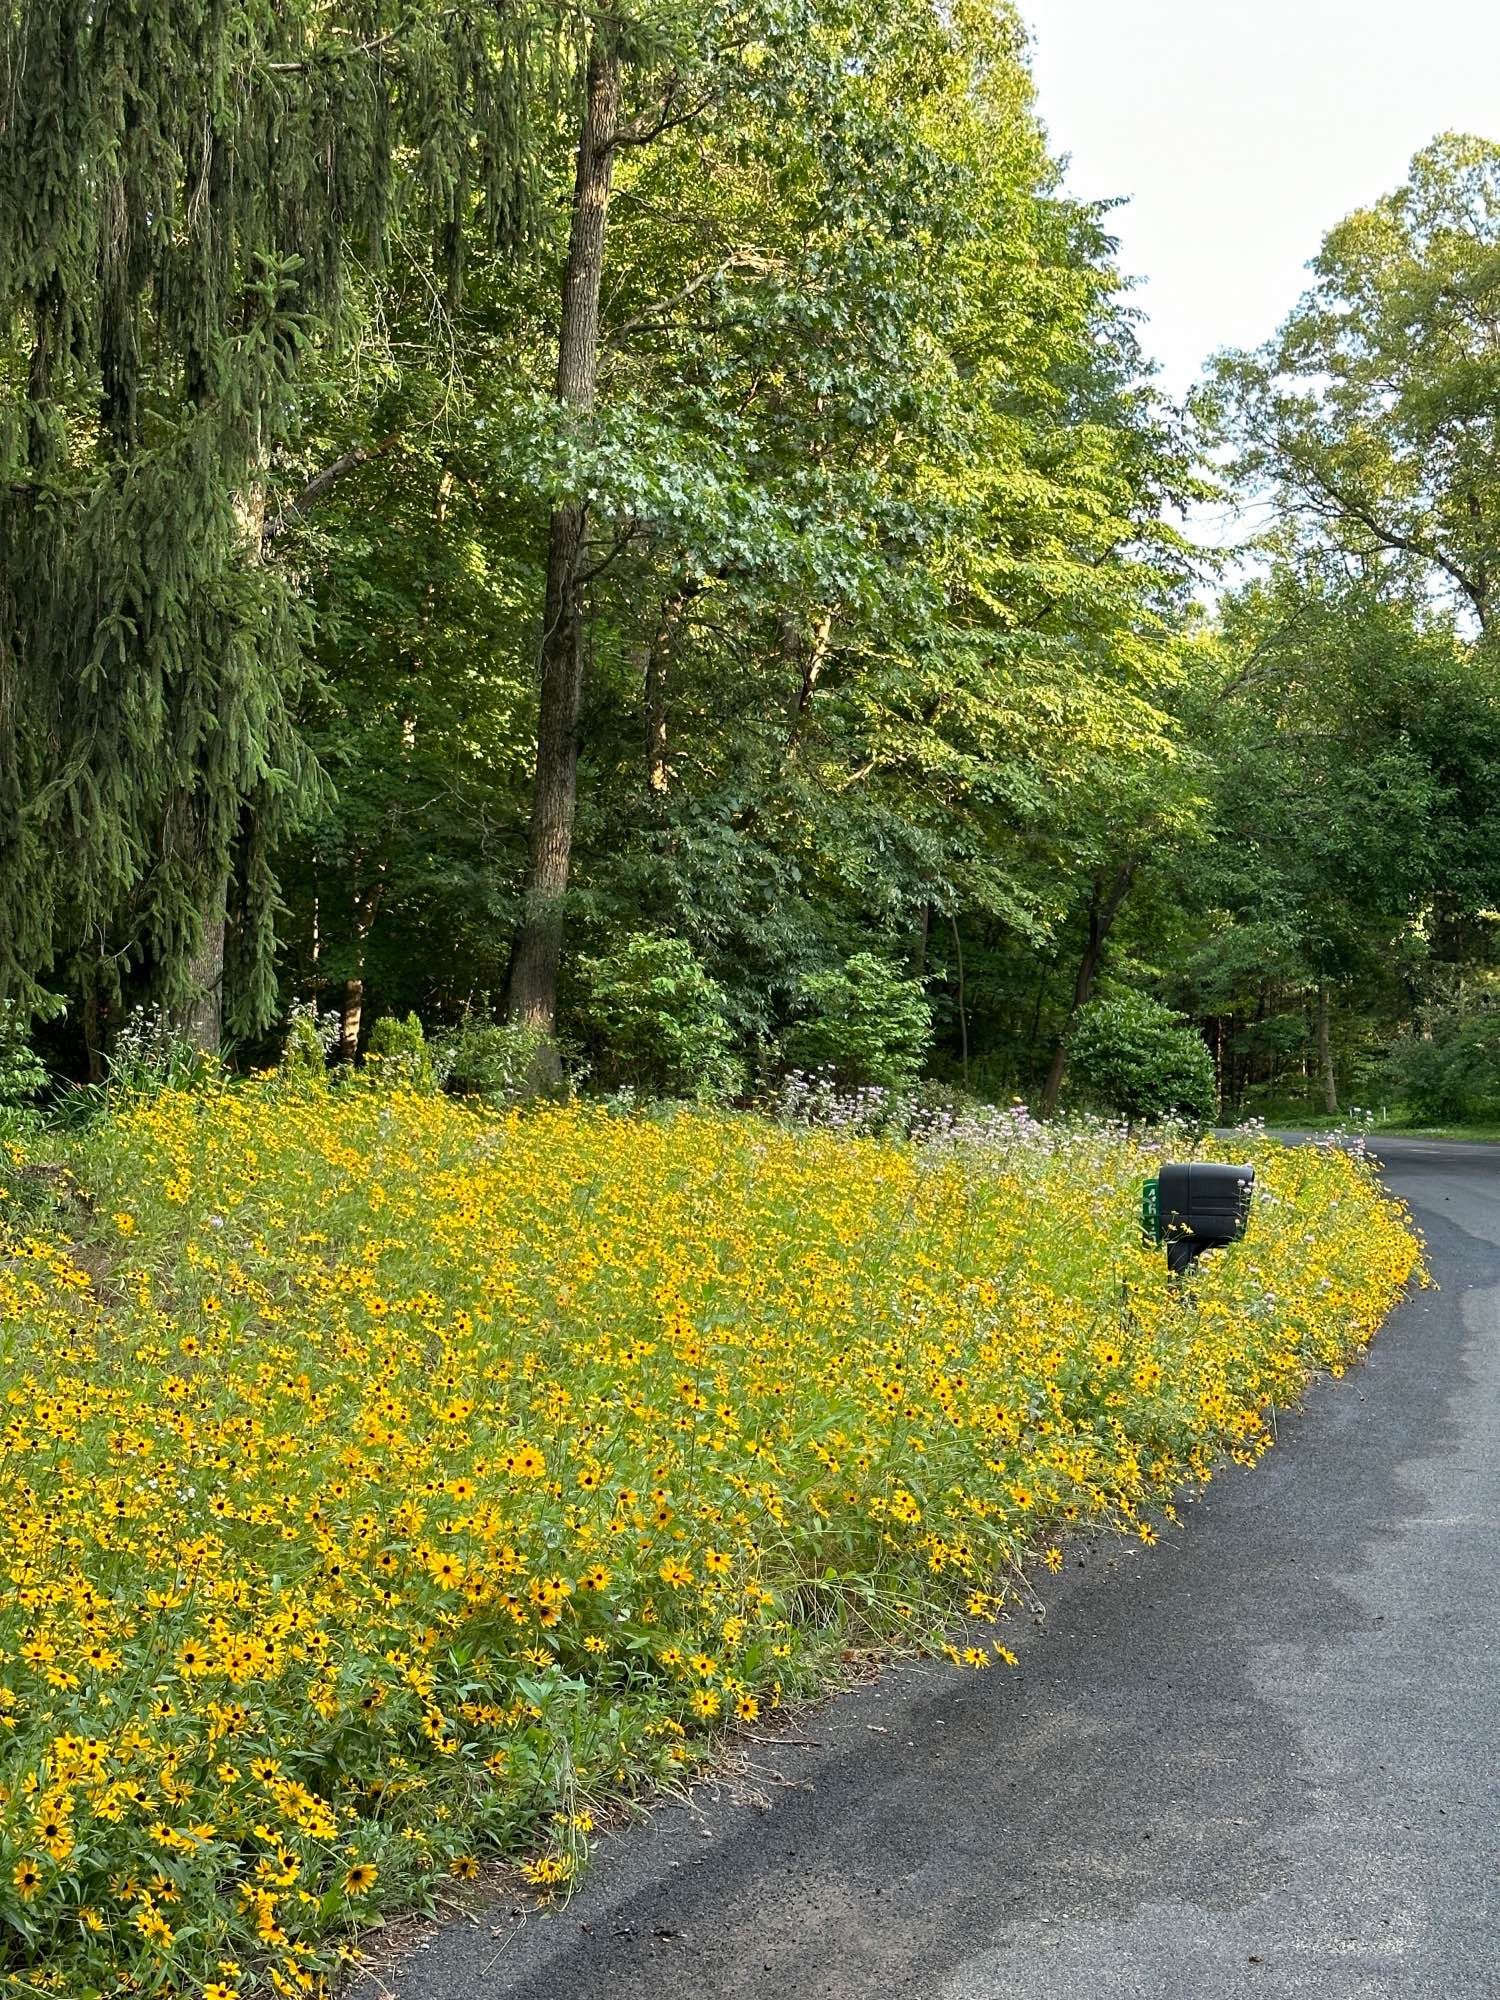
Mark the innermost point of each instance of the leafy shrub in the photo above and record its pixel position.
(23, 1075)
(399, 1053)
(865, 1023)
(502, 1062)
(1451, 1076)
(659, 1020)
(1136, 1057)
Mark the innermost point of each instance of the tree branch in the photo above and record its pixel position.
(737, 260)
(318, 485)
(641, 132)
(623, 537)
(1320, 487)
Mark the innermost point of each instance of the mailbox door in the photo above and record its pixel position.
(1209, 1199)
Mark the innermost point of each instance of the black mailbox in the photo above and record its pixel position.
(1200, 1205)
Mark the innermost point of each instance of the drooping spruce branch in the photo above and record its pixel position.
(186, 188)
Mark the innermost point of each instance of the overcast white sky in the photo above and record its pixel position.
(1241, 132)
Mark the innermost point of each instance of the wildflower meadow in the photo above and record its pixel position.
(387, 1487)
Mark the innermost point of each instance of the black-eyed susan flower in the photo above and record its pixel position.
(27, 1877)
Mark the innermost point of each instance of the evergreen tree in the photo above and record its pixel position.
(187, 188)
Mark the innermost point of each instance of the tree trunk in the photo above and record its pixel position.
(1043, 980)
(811, 656)
(963, 1014)
(538, 946)
(365, 908)
(201, 1020)
(1104, 907)
(352, 1016)
(1257, 1070)
(94, 1004)
(317, 937)
(654, 696)
(1325, 1054)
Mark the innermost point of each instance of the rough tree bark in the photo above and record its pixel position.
(98, 990)
(963, 1012)
(1326, 1073)
(919, 949)
(655, 666)
(532, 997)
(352, 1014)
(365, 905)
(810, 654)
(201, 1017)
(1104, 906)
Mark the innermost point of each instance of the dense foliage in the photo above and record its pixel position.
(490, 499)
(850, 495)
(1135, 1056)
(1450, 1074)
(388, 1486)
(1353, 883)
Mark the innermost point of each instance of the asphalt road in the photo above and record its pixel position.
(1259, 1759)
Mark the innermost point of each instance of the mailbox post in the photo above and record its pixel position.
(1196, 1205)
